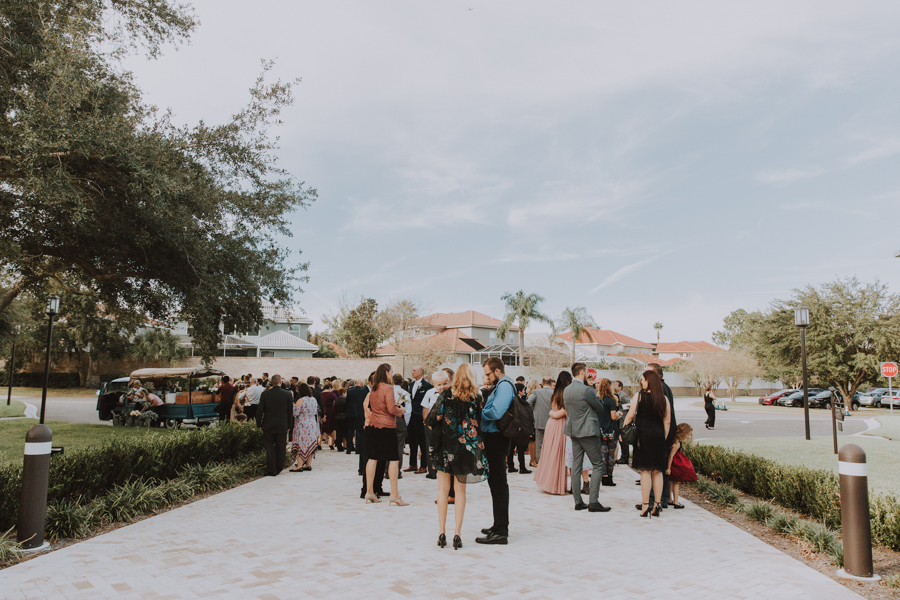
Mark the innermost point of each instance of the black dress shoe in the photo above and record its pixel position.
(621, 462)
(638, 506)
(487, 531)
(581, 506)
(349, 451)
(598, 508)
(607, 481)
(524, 471)
(511, 470)
(492, 538)
(431, 476)
(382, 494)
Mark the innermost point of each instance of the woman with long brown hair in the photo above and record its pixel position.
(652, 416)
(550, 474)
(381, 412)
(457, 451)
(609, 430)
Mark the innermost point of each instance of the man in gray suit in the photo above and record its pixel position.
(583, 407)
(539, 400)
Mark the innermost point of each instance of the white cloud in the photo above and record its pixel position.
(621, 273)
(881, 149)
(786, 175)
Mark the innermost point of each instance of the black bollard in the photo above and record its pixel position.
(35, 480)
(856, 530)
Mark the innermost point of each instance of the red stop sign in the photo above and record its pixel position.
(889, 369)
(592, 373)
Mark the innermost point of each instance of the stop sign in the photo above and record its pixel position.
(592, 373)
(889, 369)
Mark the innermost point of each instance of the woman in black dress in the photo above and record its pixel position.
(457, 451)
(709, 403)
(650, 410)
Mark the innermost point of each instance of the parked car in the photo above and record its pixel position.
(773, 398)
(890, 397)
(872, 397)
(796, 399)
(820, 400)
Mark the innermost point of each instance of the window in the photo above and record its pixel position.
(294, 327)
(267, 353)
(493, 338)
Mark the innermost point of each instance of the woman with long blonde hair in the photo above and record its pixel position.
(457, 451)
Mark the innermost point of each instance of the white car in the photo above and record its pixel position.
(891, 398)
(873, 397)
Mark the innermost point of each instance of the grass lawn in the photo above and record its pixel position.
(73, 436)
(818, 453)
(15, 409)
(890, 426)
(58, 392)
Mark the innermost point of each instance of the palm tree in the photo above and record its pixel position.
(657, 326)
(522, 308)
(580, 322)
(159, 347)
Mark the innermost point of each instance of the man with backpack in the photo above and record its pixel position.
(496, 447)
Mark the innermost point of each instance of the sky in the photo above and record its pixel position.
(650, 161)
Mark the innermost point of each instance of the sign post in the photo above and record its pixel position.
(889, 370)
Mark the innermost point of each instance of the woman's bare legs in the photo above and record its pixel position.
(443, 492)
(459, 509)
(370, 475)
(675, 489)
(657, 485)
(646, 486)
(393, 471)
(584, 476)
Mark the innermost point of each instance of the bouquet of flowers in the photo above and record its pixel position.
(134, 413)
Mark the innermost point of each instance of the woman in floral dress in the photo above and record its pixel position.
(456, 447)
(306, 429)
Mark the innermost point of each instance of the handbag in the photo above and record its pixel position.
(628, 435)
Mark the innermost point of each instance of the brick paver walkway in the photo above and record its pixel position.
(308, 535)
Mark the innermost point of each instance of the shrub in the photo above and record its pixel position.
(782, 523)
(723, 494)
(760, 511)
(68, 519)
(8, 547)
(56, 380)
(812, 492)
(207, 478)
(130, 500)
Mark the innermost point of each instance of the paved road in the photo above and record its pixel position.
(735, 423)
(69, 410)
(308, 535)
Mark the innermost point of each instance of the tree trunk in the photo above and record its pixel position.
(11, 295)
(522, 346)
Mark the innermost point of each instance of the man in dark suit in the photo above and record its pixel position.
(274, 416)
(416, 428)
(355, 417)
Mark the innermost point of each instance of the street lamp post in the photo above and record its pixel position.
(12, 364)
(52, 310)
(801, 320)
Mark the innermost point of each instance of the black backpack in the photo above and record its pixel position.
(517, 423)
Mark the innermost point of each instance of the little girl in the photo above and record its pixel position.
(680, 467)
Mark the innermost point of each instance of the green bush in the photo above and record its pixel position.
(812, 492)
(158, 457)
(68, 519)
(760, 511)
(8, 547)
(782, 523)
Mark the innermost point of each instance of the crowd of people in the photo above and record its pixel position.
(458, 432)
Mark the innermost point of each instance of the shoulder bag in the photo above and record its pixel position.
(629, 433)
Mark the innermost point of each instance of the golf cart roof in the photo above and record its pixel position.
(175, 373)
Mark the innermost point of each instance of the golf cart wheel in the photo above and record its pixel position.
(828, 406)
(878, 404)
(171, 423)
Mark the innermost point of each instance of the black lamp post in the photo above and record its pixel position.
(801, 320)
(52, 310)
(12, 365)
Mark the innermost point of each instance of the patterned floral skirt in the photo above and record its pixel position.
(305, 438)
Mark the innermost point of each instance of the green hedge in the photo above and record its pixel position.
(812, 492)
(93, 472)
(56, 380)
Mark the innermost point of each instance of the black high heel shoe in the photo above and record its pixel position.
(646, 511)
(655, 512)
(457, 542)
(442, 541)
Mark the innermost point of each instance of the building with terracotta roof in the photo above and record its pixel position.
(457, 346)
(683, 350)
(605, 342)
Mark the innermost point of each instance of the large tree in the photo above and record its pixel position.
(101, 192)
(521, 308)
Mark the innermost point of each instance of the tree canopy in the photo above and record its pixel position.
(853, 327)
(104, 195)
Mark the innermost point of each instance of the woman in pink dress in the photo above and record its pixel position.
(306, 429)
(550, 474)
